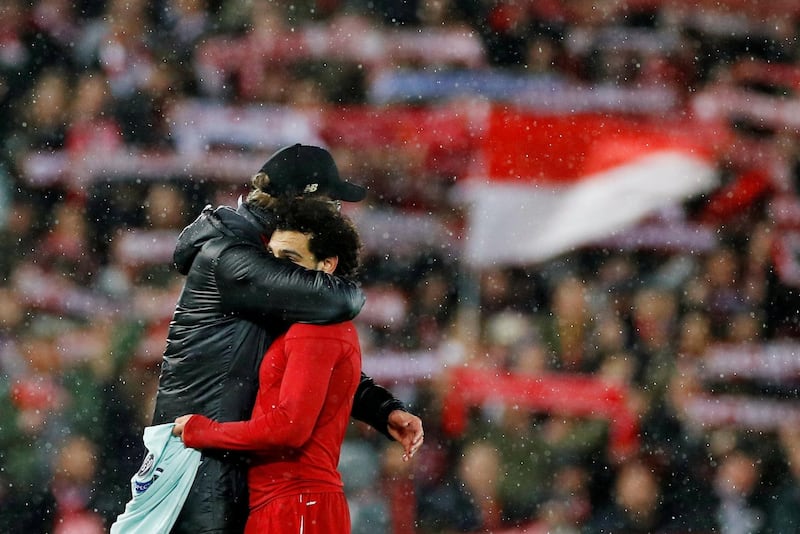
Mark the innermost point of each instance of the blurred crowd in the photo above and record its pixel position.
(123, 118)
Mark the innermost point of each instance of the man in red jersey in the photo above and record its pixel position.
(307, 381)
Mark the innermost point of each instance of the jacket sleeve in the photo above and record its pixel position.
(253, 283)
(305, 386)
(373, 404)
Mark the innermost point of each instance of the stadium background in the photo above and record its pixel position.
(626, 364)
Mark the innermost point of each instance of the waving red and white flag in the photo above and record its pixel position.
(549, 184)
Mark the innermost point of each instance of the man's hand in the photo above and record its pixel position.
(406, 428)
(180, 422)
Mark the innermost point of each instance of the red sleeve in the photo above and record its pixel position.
(311, 356)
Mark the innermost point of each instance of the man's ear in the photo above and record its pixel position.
(328, 265)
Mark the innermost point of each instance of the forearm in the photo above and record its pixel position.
(258, 434)
(373, 404)
(313, 297)
(264, 288)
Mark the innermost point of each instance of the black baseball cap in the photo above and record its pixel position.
(299, 170)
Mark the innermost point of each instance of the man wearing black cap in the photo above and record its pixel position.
(237, 298)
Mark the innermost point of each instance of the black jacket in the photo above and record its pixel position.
(236, 299)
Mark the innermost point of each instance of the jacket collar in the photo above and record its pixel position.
(259, 217)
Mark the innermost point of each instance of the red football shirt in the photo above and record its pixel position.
(307, 381)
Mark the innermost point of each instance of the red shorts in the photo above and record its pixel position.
(307, 513)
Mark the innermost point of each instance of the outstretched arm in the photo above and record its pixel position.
(304, 389)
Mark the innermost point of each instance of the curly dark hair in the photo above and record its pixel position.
(331, 233)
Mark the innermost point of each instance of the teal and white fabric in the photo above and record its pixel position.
(160, 486)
